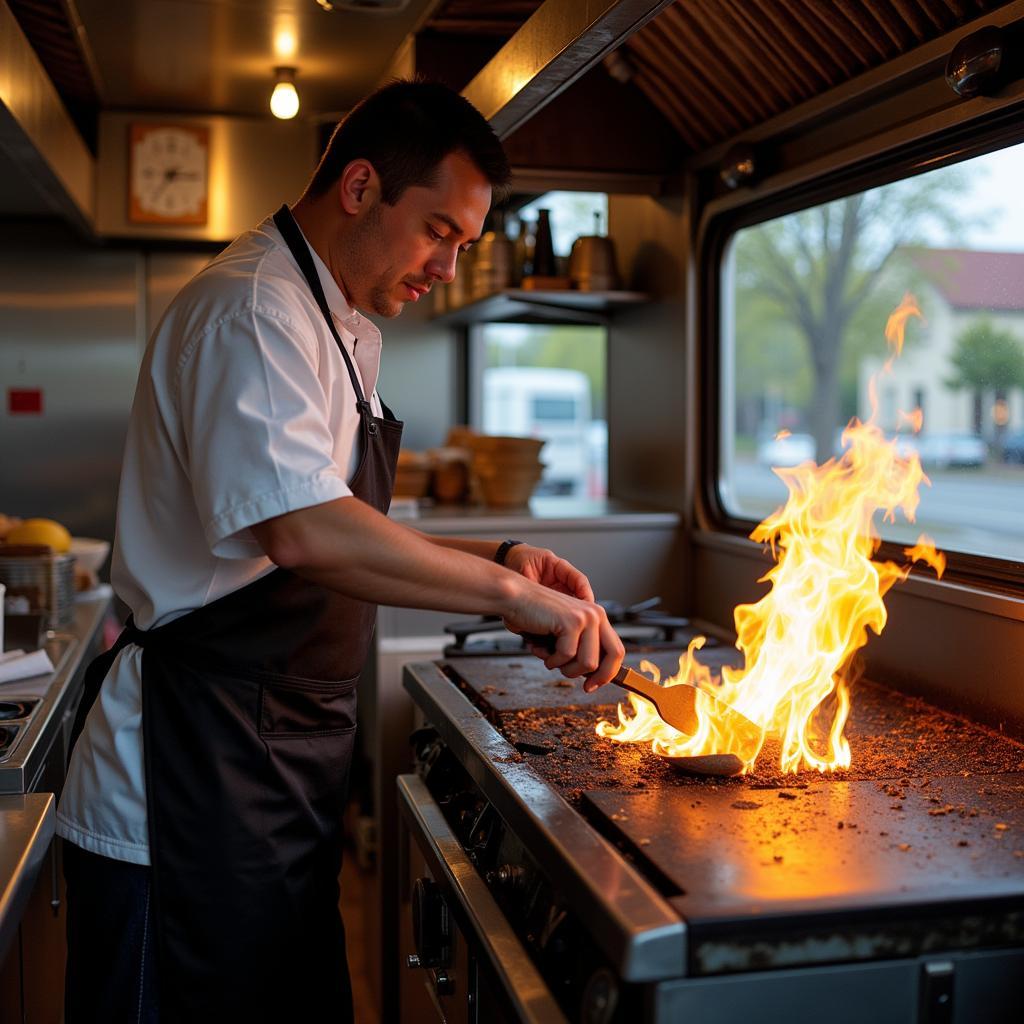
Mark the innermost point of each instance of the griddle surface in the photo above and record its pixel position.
(831, 872)
(891, 736)
(732, 854)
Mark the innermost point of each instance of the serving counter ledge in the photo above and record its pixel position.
(27, 822)
(28, 766)
(557, 514)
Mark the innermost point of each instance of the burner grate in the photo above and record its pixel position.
(641, 626)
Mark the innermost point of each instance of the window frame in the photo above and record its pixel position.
(724, 217)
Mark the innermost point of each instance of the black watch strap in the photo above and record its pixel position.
(504, 548)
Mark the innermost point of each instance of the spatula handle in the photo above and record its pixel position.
(546, 640)
(640, 685)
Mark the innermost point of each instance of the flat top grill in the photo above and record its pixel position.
(892, 736)
(784, 853)
(919, 846)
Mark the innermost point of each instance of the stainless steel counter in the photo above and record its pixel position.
(554, 514)
(27, 822)
(70, 650)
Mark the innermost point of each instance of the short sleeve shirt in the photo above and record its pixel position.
(244, 410)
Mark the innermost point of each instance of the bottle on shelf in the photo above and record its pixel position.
(543, 250)
(524, 247)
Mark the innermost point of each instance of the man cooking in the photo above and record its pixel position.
(205, 791)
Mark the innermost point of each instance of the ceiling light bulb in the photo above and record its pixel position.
(284, 101)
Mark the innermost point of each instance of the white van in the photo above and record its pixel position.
(536, 401)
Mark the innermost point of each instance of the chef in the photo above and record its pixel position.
(206, 785)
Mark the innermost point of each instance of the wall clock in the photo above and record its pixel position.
(168, 173)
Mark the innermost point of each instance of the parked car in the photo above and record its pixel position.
(790, 450)
(1013, 448)
(945, 451)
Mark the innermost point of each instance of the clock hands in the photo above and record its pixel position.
(172, 174)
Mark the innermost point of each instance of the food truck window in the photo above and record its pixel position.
(805, 299)
(546, 381)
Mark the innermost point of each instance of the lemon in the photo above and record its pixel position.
(40, 531)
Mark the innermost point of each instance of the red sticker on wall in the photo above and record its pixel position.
(25, 401)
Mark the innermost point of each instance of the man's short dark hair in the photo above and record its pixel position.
(405, 129)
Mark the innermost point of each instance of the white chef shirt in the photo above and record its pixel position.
(244, 410)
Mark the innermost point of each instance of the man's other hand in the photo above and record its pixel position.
(546, 568)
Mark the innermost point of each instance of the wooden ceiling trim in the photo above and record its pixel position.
(858, 58)
(823, 36)
(867, 28)
(913, 16)
(686, 81)
(667, 102)
(675, 48)
(895, 28)
(777, 60)
(751, 86)
(937, 13)
(805, 45)
(863, 50)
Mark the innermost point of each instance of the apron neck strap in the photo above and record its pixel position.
(299, 249)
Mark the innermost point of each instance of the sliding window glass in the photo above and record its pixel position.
(805, 299)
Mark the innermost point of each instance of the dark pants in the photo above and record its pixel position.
(111, 973)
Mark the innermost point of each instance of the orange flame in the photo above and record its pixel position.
(826, 591)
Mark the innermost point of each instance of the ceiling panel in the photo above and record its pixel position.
(218, 56)
(717, 67)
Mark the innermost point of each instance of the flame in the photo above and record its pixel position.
(826, 591)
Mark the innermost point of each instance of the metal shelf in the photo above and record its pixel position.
(516, 305)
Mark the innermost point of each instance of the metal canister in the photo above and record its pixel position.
(46, 581)
(493, 266)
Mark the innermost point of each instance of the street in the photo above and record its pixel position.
(979, 511)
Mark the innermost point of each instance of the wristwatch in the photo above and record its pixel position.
(504, 548)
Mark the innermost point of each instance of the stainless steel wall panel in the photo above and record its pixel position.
(70, 326)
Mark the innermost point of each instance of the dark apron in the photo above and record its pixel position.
(248, 720)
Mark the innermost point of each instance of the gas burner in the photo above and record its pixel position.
(640, 626)
(15, 709)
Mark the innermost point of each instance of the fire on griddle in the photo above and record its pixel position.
(800, 641)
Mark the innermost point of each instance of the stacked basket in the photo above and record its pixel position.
(506, 468)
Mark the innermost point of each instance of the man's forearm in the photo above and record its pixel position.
(481, 548)
(351, 548)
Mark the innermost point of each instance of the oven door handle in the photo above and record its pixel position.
(474, 905)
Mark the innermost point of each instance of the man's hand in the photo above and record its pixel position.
(546, 568)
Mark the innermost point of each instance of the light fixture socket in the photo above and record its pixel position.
(974, 65)
(284, 100)
(739, 166)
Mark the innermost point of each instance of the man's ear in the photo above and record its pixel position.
(358, 187)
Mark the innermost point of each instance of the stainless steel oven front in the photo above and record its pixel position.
(465, 963)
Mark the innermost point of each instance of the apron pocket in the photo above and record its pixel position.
(307, 709)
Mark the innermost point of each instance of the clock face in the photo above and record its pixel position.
(168, 174)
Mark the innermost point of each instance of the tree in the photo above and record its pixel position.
(987, 358)
(818, 270)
